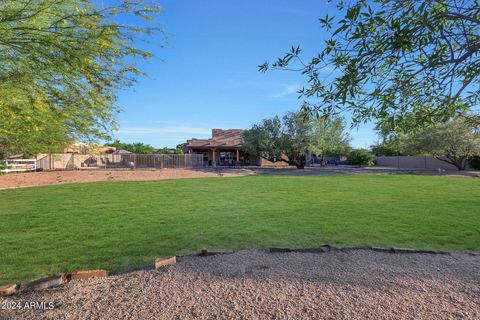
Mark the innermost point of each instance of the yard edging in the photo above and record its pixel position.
(398, 250)
(59, 279)
(51, 281)
(164, 261)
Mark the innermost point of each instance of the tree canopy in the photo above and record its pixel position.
(453, 142)
(405, 64)
(141, 148)
(180, 148)
(63, 62)
(290, 138)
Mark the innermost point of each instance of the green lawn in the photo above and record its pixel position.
(120, 225)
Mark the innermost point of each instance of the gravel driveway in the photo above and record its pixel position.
(255, 284)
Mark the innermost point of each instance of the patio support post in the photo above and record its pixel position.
(214, 163)
(238, 156)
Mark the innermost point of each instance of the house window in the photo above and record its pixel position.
(226, 158)
(226, 155)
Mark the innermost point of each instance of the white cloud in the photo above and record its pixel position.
(287, 90)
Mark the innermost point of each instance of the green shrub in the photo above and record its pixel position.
(360, 157)
(474, 162)
(3, 166)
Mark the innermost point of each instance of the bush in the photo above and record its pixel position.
(360, 157)
(474, 162)
(3, 166)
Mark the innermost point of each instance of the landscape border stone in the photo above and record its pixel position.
(51, 281)
(88, 274)
(8, 289)
(329, 248)
(44, 283)
(164, 261)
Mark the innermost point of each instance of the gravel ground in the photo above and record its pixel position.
(254, 284)
(30, 179)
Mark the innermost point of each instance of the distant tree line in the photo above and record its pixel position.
(144, 148)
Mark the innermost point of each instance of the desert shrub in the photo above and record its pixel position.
(474, 162)
(360, 157)
(3, 166)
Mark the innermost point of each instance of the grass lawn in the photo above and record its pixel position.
(121, 225)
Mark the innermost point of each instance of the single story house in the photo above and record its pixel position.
(224, 148)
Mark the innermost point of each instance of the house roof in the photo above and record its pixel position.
(220, 138)
(121, 151)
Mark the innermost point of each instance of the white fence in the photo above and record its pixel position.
(20, 165)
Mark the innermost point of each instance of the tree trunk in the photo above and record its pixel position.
(459, 162)
(299, 164)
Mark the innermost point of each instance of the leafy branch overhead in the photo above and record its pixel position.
(63, 62)
(402, 63)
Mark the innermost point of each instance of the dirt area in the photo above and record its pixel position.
(255, 284)
(17, 180)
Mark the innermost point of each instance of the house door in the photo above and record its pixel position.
(206, 160)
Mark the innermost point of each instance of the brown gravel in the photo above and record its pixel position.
(18, 180)
(254, 284)
(30, 179)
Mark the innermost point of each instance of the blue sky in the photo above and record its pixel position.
(207, 76)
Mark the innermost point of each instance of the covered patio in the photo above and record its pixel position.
(223, 149)
(225, 157)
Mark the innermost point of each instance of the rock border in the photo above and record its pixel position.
(51, 281)
(63, 278)
(397, 250)
(206, 253)
(163, 261)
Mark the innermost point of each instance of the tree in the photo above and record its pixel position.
(180, 148)
(164, 150)
(453, 142)
(329, 137)
(136, 147)
(141, 148)
(388, 148)
(391, 144)
(474, 162)
(63, 62)
(30, 130)
(294, 136)
(403, 63)
(117, 145)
